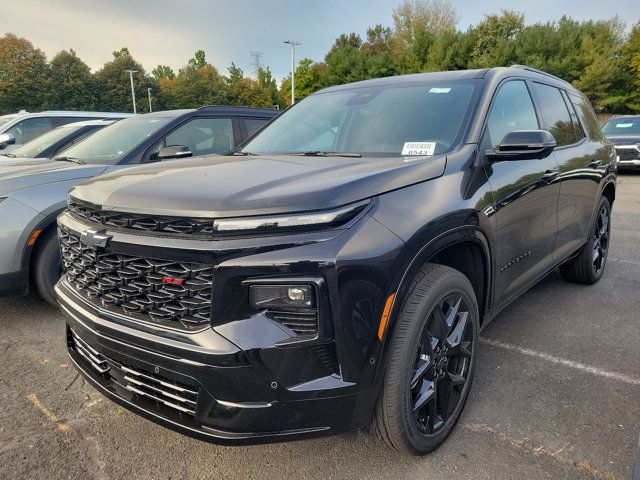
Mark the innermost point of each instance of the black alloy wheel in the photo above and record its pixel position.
(601, 239)
(441, 368)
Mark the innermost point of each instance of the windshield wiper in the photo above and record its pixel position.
(69, 159)
(243, 154)
(318, 153)
(9, 155)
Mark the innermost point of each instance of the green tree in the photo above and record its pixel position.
(420, 25)
(163, 71)
(197, 84)
(114, 87)
(345, 62)
(23, 75)
(71, 84)
(631, 59)
(266, 81)
(494, 39)
(603, 75)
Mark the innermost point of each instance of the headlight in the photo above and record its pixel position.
(326, 218)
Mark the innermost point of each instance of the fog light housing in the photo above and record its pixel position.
(281, 296)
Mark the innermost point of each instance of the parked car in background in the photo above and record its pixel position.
(19, 128)
(340, 268)
(53, 142)
(624, 132)
(33, 193)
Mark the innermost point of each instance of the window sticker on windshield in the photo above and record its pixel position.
(418, 148)
(439, 90)
(624, 125)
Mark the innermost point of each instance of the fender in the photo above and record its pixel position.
(46, 222)
(453, 236)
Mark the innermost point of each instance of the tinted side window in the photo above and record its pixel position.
(587, 115)
(30, 128)
(556, 116)
(577, 127)
(512, 109)
(204, 136)
(254, 124)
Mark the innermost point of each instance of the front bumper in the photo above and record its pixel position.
(628, 156)
(138, 371)
(250, 384)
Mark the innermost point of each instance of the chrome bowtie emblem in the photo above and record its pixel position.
(95, 238)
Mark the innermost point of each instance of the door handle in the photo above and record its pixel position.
(595, 163)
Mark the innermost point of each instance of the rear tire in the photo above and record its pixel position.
(46, 266)
(431, 361)
(588, 266)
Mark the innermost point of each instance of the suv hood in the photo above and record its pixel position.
(623, 139)
(228, 186)
(22, 174)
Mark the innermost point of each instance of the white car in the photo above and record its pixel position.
(22, 127)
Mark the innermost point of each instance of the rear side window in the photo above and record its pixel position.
(30, 128)
(512, 109)
(587, 115)
(555, 113)
(577, 127)
(254, 124)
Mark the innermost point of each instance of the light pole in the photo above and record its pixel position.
(293, 44)
(149, 95)
(133, 92)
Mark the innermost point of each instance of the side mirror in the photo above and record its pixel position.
(7, 139)
(523, 145)
(174, 151)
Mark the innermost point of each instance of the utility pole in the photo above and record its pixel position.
(149, 95)
(257, 62)
(133, 92)
(293, 44)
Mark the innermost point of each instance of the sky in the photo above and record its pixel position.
(169, 32)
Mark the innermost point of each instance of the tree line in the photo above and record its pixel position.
(599, 57)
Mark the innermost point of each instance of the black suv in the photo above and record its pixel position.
(339, 267)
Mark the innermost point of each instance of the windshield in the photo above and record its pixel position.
(33, 148)
(108, 145)
(4, 119)
(379, 121)
(622, 126)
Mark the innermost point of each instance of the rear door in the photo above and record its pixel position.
(525, 194)
(580, 168)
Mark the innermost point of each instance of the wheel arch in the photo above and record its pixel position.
(45, 225)
(464, 248)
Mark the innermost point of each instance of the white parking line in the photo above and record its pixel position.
(561, 361)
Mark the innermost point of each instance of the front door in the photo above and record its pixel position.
(525, 194)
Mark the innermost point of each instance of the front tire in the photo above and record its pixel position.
(431, 361)
(588, 266)
(46, 266)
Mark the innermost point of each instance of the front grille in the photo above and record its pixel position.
(628, 153)
(154, 388)
(142, 288)
(150, 223)
(300, 322)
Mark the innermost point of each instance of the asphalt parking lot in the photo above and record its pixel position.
(556, 395)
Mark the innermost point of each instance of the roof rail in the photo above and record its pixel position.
(535, 70)
(233, 106)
